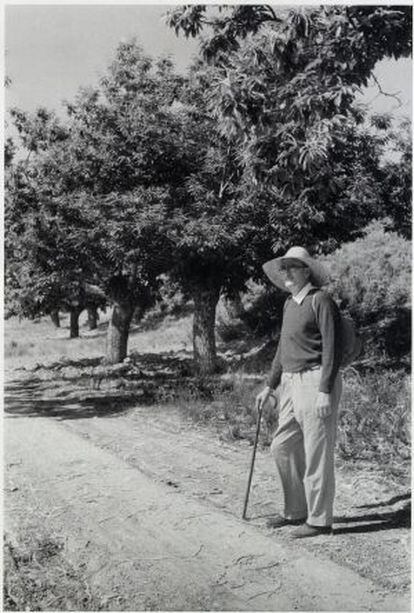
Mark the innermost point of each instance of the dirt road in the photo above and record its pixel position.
(147, 508)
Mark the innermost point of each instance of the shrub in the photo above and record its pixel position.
(257, 314)
(170, 302)
(374, 420)
(263, 309)
(230, 329)
(371, 279)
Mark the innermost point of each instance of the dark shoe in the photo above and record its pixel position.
(306, 530)
(278, 521)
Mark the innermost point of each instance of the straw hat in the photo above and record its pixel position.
(273, 268)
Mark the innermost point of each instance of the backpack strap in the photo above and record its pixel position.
(314, 304)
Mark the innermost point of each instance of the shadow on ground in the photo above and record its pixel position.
(386, 503)
(24, 401)
(374, 522)
(176, 362)
(72, 389)
(371, 522)
(152, 322)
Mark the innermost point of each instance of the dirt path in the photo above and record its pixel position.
(148, 508)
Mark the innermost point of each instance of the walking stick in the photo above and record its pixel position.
(246, 499)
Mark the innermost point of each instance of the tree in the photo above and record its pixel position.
(37, 284)
(199, 175)
(217, 231)
(76, 251)
(144, 184)
(283, 95)
(285, 91)
(55, 318)
(354, 37)
(9, 146)
(397, 184)
(41, 276)
(102, 189)
(124, 154)
(45, 269)
(130, 253)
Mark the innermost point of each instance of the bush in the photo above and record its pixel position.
(230, 329)
(371, 280)
(256, 315)
(374, 420)
(170, 302)
(263, 309)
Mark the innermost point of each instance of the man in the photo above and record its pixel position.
(306, 371)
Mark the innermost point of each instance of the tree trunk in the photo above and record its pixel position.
(74, 322)
(138, 314)
(92, 317)
(118, 331)
(204, 340)
(54, 316)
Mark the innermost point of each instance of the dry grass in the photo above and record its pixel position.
(27, 343)
(38, 576)
(38, 571)
(374, 422)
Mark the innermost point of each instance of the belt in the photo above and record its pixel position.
(298, 372)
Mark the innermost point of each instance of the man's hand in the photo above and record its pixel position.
(323, 405)
(262, 398)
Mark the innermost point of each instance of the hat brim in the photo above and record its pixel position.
(273, 270)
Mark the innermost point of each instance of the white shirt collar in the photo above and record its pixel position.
(300, 296)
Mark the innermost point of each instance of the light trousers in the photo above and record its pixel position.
(303, 448)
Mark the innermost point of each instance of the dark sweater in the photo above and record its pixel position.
(307, 341)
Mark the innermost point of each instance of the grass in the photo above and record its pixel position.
(373, 427)
(374, 420)
(38, 577)
(226, 404)
(27, 343)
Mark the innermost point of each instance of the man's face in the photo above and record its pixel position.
(296, 275)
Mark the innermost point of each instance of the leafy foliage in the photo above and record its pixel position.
(46, 267)
(371, 278)
(143, 183)
(359, 35)
(397, 184)
(87, 206)
(284, 92)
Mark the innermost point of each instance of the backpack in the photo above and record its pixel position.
(351, 341)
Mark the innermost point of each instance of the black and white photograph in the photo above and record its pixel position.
(206, 298)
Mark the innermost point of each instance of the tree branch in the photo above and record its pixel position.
(274, 17)
(382, 92)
